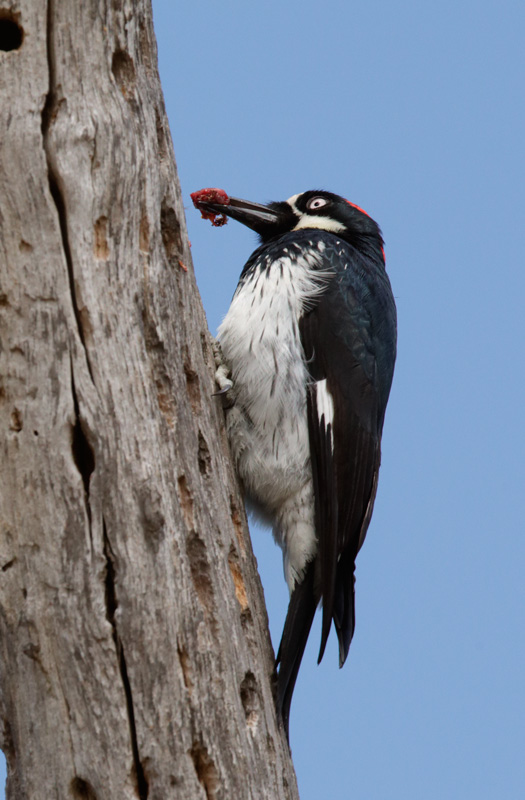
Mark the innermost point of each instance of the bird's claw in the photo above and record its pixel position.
(222, 380)
(222, 372)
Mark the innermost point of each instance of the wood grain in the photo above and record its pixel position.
(135, 659)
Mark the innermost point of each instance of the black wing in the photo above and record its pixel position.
(349, 342)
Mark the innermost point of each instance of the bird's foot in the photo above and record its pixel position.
(222, 375)
(222, 380)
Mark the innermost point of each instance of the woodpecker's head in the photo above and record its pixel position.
(314, 209)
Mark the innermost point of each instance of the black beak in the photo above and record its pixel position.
(254, 215)
(268, 221)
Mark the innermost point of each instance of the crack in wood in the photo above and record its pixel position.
(111, 607)
(251, 699)
(205, 769)
(185, 666)
(203, 455)
(157, 354)
(192, 383)
(123, 70)
(83, 453)
(200, 573)
(101, 244)
(48, 114)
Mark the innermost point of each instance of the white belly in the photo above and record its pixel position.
(268, 428)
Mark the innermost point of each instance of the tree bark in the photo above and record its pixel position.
(135, 659)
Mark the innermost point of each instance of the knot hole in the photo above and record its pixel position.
(11, 33)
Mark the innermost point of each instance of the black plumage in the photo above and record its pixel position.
(344, 327)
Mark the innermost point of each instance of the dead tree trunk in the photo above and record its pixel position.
(135, 659)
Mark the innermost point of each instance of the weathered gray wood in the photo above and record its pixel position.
(135, 659)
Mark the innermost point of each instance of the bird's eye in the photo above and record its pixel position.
(316, 202)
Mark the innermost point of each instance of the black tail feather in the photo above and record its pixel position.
(325, 510)
(344, 607)
(297, 626)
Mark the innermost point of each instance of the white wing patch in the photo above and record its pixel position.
(325, 405)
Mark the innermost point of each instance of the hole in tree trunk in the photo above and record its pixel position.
(11, 34)
(82, 790)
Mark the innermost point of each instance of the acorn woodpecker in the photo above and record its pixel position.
(308, 348)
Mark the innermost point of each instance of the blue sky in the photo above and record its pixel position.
(415, 112)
